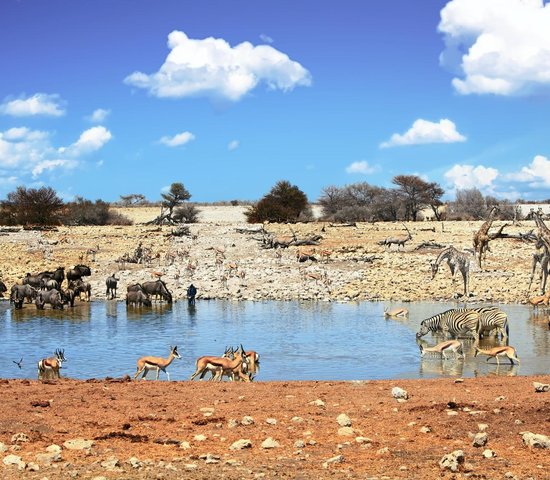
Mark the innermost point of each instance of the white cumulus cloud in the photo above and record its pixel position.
(361, 167)
(537, 173)
(177, 140)
(467, 176)
(501, 46)
(25, 152)
(233, 145)
(424, 131)
(212, 68)
(38, 104)
(89, 141)
(99, 115)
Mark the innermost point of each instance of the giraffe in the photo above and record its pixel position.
(481, 237)
(455, 259)
(544, 232)
(544, 242)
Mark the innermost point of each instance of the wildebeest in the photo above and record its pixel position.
(3, 288)
(53, 297)
(50, 284)
(157, 288)
(79, 287)
(138, 298)
(20, 292)
(111, 284)
(68, 296)
(78, 272)
(58, 275)
(35, 281)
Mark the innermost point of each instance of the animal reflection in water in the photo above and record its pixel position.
(445, 358)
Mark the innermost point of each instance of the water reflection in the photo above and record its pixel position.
(296, 341)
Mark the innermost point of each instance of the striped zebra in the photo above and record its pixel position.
(453, 322)
(491, 318)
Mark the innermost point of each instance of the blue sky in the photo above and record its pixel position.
(106, 98)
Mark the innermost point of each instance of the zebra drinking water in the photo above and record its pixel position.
(452, 322)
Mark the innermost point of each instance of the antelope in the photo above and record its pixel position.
(540, 299)
(252, 366)
(449, 345)
(222, 366)
(399, 240)
(144, 364)
(507, 351)
(325, 255)
(232, 268)
(400, 312)
(158, 275)
(52, 364)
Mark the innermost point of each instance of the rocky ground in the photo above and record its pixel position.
(116, 428)
(225, 263)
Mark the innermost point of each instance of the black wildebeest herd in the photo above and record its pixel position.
(47, 288)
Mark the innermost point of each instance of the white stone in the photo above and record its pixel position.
(343, 420)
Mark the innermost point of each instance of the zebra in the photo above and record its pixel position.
(453, 322)
(491, 318)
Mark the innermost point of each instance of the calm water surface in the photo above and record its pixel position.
(296, 341)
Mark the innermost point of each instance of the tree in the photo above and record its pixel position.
(469, 204)
(176, 196)
(417, 194)
(85, 212)
(133, 199)
(284, 203)
(32, 206)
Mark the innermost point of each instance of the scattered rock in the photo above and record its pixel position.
(343, 420)
(425, 429)
(247, 420)
(541, 387)
(198, 438)
(488, 453)
(399, 393)
(452, 461)
(19, 438)
(317, 403)
(535, 440)
(3, 448)
(271, 421)
(111, 465)
(345, 431)
(299, 444)
(270, 443)
(47, 458)
(78, 444)
(185, 445)
(14, 460)
(480, 439)
(240, 444)
(332, 460)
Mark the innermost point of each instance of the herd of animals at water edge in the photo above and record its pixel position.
(460, 324)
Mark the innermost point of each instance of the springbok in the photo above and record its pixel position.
(220, 366)
(540, 299)
(449, 345)
(507, 351)
(52, 364)
(144, 364)
(400, 312)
